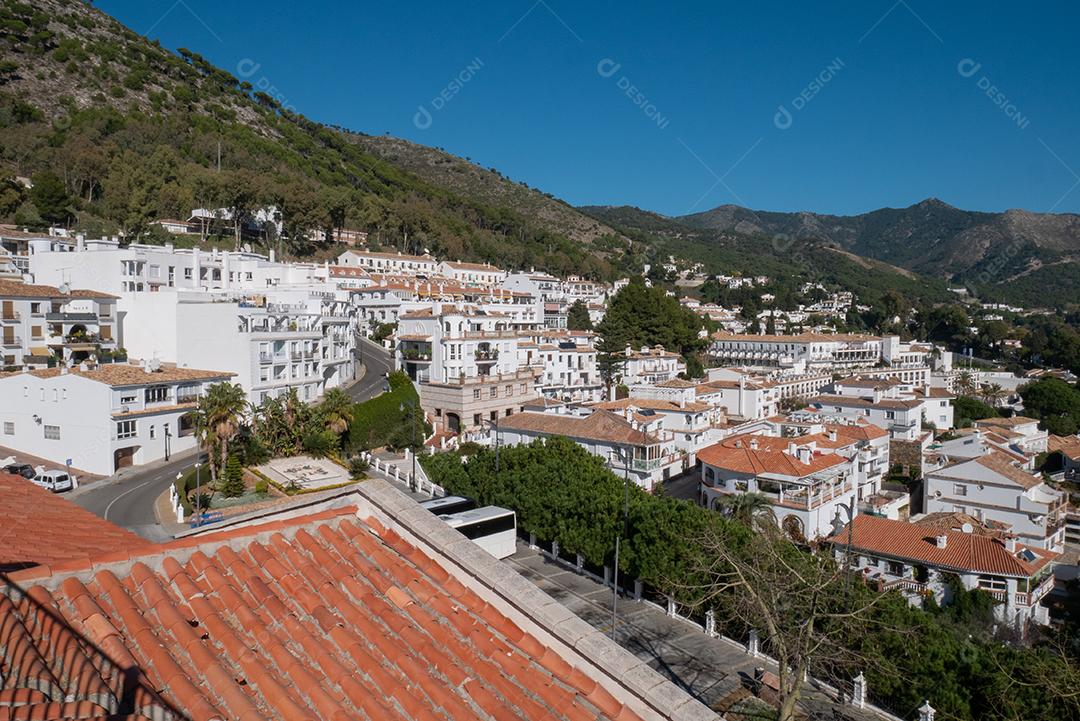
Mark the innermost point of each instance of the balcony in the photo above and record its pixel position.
(905, 585)
(1030, 599)
(487, 356)
(416, 356)
(10, 341)
(10, 316)
(72, 317)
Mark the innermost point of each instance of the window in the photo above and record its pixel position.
(494, 392)
(870, 561)
(523, 389)
(127, 399)
(959, 489)
(125, 429)
(9, 428)
(509, 391)
(476, 419)
(993, 583)
(153, 433)
(156, 394)
(52, 433)
(895, 568)
(476, 394)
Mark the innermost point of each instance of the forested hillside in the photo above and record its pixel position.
(116, 131)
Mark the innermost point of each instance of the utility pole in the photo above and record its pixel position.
(626, 527)
(496, 422)
(219, 156)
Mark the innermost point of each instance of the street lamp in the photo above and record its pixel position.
(198, 489)
(168, 435)
(849, 509)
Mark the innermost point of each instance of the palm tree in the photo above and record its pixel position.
(335, 411)
(993, 393)
(965, 383)
(220, 413)
(753, 510)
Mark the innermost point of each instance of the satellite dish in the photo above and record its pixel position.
(967, 528)
(65, 288)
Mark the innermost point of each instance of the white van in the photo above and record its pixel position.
(55, 481)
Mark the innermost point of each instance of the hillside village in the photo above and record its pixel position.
(302, 423)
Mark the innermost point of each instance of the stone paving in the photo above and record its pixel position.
(707, 668)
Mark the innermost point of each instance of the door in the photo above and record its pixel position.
(124, 457)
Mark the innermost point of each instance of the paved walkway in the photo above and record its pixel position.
(709, 669)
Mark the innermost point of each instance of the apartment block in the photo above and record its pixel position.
(103, 417)
(42, 325)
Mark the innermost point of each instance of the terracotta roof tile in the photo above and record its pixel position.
(770, 456)
(16, 289)
(962, 551)
(321, 616)
(42, 528)
(126, 374)
(600, 425)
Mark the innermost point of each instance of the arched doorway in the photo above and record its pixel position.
(453, 422)
(124, 457)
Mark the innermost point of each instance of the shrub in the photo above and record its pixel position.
(357, 467)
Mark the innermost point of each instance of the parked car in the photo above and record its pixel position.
(20, 469)
(56, 481)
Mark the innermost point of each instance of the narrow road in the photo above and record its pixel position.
(377, 363)
(129, 501)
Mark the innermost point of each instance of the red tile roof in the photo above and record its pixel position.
(41, 527)
(770, 456)
(599, 425)
(962, 552)
(316, 617)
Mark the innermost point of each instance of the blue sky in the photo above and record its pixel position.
(836, 107)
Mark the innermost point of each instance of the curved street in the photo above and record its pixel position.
(127, 498)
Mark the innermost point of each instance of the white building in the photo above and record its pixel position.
(692, 425)
(917, 559)
(275, 326)
(465, 363)
(650, 365)
(810, 352)
(471, 273)
(390, 263)
(994, 488)
(635, 445)
(41, 324)
(807, 479)
(102, 418)
(301, 339)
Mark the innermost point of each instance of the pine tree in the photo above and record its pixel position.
(232, 481)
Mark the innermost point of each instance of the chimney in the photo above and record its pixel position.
(753, 444)
(940, 540)
(792, 449)
(832, 435)
(1010, 543)
(804, 454)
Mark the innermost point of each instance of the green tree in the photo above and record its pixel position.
(1055, 403)
(232, 479)
(577, 317)
(51, 197)
(219, 416)
(335, 412)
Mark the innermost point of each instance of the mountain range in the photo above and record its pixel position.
(137, 132)
(1011, 253)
